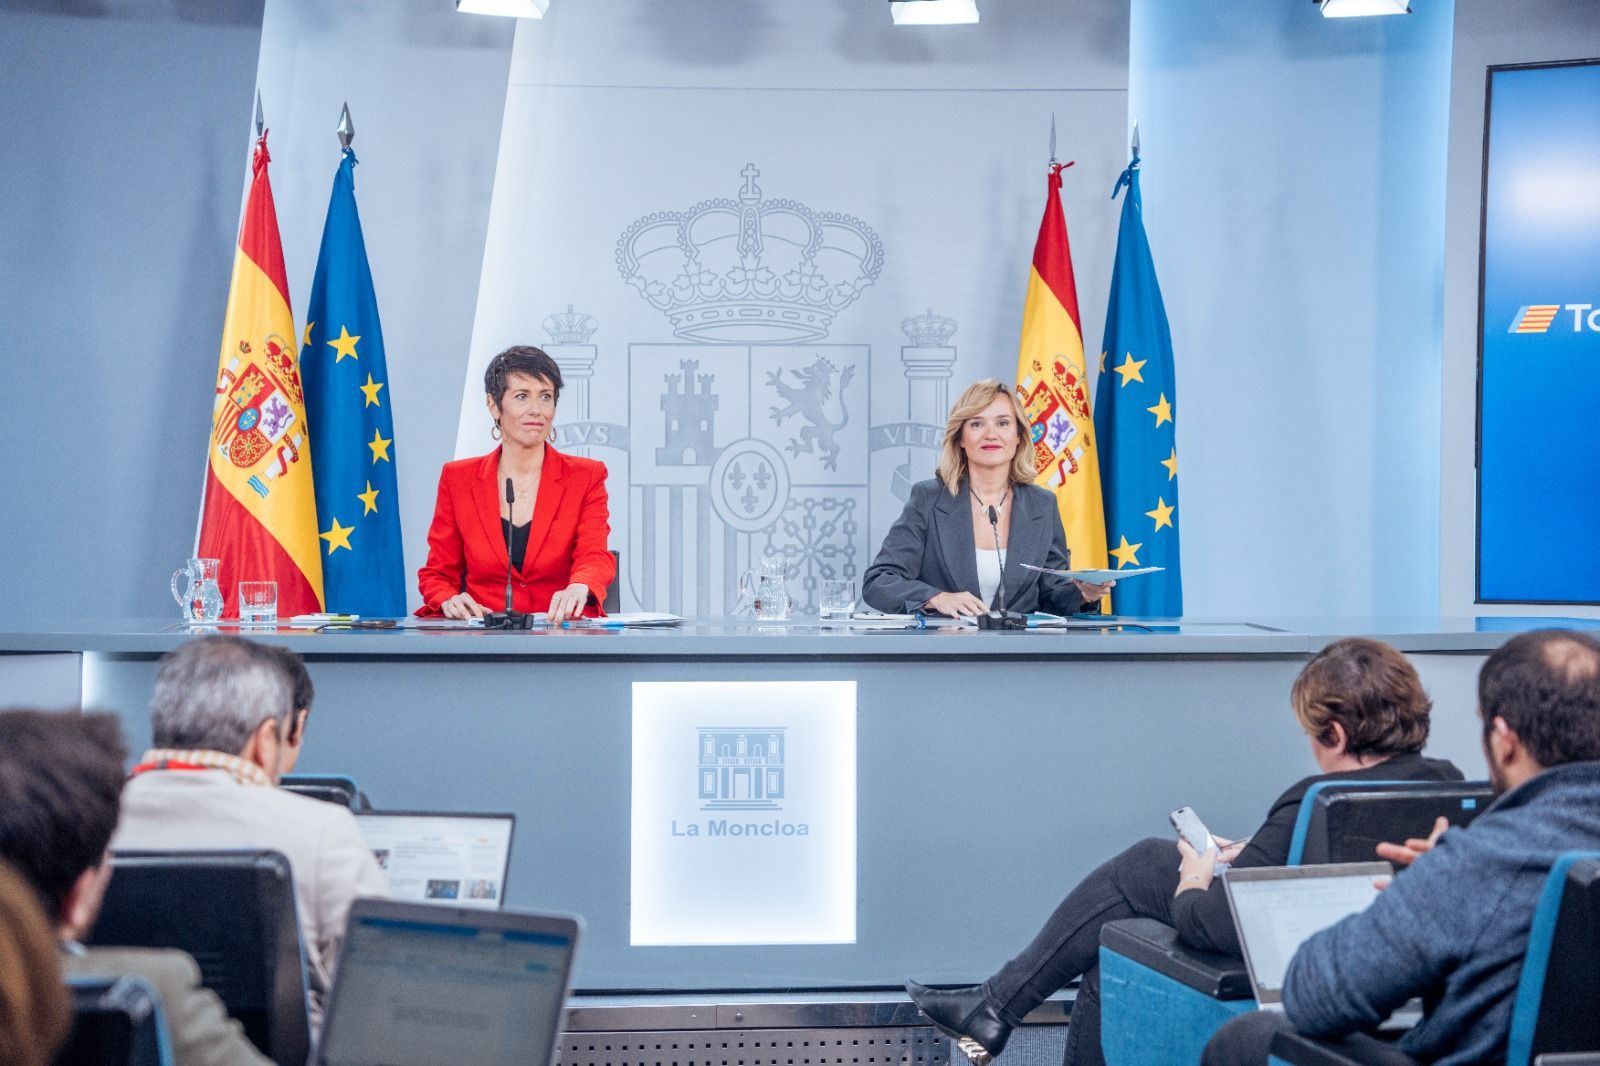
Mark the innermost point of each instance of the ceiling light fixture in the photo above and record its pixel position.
(1338, 9)
(933, 12)
(517, 9)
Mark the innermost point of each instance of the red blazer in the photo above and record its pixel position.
(566, 541)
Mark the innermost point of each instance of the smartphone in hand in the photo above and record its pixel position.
(1192, 829)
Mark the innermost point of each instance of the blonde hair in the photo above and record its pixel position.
(952, 469)
(34, 1009)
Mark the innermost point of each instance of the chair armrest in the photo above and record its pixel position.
(1156, 945)
(1358, 1049)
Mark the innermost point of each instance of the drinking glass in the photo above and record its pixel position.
(772, 598)
(838, 599)
(258, 603)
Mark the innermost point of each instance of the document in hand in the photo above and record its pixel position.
(1095, 577)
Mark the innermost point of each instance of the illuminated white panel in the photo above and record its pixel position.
(744, 813)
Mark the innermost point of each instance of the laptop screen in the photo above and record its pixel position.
(421, 985)
(1276, 909)
(457, 859)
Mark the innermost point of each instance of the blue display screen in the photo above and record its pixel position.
(1539, 374)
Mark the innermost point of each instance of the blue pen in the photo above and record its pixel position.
(594, 625)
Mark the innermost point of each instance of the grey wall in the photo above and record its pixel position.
(1293, 192)
(125, 133)
(426, 88)
(1486, 34)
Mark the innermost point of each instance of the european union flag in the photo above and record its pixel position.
(1135, 409)
(348, 406)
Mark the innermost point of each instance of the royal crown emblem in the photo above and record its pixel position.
(929, 330)
(570, 328)
(750, 270)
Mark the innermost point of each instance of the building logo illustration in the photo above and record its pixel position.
(741, 769)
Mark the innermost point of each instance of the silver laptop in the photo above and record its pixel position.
(1277, 908)
(458, 860)
(420, 985)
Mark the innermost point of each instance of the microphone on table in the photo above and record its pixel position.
(1001, 619)
(510, 618)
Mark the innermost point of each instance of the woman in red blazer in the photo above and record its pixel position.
(559, 519)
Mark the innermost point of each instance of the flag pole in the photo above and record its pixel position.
(347, 129)
(205, 477)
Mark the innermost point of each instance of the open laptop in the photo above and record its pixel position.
(1277, 908)
(434, 857)
(421, 984)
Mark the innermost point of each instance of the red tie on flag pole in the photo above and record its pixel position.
(1052, 379)
(260, 515)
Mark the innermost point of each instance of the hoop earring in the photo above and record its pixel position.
(494, 431)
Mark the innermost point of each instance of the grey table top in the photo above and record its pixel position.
(807, 638)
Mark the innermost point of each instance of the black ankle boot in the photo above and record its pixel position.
(964, 1015)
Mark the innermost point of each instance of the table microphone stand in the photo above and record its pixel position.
(510, 618)
(1002, 619)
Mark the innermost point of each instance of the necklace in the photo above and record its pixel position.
(1001, 506)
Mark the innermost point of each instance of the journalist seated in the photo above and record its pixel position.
(1363, 707)
(61, 776)
(959, 546)
(226, 728)
(1455, 928)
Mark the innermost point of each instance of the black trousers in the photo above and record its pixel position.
(1139, 883)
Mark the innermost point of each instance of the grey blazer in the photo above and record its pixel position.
(930, 550)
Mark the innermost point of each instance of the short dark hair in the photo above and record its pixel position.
(1546, 685)
(1371, 690)
(520, 359)
(61, 778)
(294, 668)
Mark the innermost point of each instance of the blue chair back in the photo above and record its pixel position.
(116, 1021)
(1344, 821)
(1558, 999)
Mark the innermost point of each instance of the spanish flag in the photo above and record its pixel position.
(1054, 386)
(259, 516)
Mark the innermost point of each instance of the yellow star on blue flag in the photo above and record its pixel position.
(351, 420)
(1138, 453)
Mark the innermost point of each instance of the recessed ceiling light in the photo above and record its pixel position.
(933, 12)
(517, 9)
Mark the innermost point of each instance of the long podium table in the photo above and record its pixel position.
(992, 769)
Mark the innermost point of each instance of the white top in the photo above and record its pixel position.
(989, 564)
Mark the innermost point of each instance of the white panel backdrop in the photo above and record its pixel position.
(777, 402)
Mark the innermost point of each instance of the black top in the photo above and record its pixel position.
(1203, 919)
(519, 540)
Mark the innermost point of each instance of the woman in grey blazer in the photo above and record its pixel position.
(959, 545)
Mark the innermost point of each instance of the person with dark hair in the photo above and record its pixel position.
(1364, 709)
(1455, 928)
(294, 668)
(557, 519)
(226, 725)
(60, 782)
